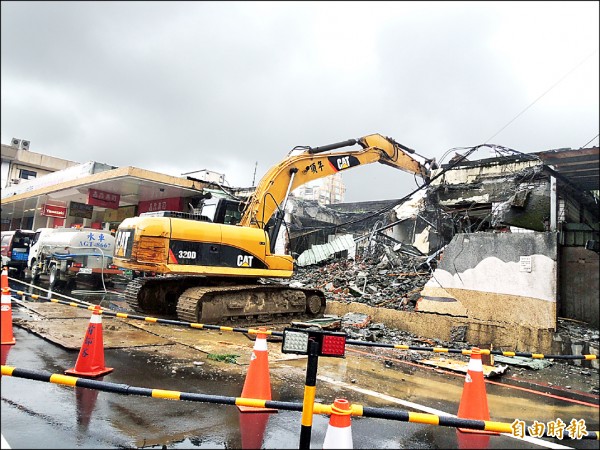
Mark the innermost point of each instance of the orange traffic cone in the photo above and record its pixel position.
(90, 362)
(252, 429)
(6, 311)
(339, 431)
(258, 381)
(473, 403)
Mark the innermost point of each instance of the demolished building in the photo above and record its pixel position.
(509, 242)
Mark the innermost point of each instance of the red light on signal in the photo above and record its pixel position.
(333, 345)
(327, 343)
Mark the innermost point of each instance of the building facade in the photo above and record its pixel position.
(326, 191)
(19, 164)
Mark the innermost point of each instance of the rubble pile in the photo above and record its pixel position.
(384, 279)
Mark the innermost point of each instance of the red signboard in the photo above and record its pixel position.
(104, 199)
(164, 204)
(54, 211)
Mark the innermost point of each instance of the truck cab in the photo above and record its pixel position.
(34, 248)
(15, 249)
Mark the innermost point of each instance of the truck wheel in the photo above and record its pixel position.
(35, 271)
(54, 277)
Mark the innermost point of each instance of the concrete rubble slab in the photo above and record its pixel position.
(69, 333)
(356, 320)
(66, 326)
(535, 364)
(462, 366)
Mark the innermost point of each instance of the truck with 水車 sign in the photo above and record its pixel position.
(66, 255)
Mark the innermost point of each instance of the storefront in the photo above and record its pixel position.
(87, 197)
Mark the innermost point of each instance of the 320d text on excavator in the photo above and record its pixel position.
(209, 269)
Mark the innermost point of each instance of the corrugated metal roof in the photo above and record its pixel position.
(318, 253)
(580, 167)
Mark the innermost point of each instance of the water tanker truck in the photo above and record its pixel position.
(67, 255)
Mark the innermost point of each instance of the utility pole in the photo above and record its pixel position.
(254, 177)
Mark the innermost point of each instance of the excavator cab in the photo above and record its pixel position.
(215, 210)
(221, 210)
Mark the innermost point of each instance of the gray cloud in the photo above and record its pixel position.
(181, 86)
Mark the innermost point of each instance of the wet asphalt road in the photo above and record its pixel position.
(45, 415)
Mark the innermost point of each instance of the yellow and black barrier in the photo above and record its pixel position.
(110, 313)
(466, 352)
(318, 408)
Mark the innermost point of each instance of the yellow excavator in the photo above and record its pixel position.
(208, 268)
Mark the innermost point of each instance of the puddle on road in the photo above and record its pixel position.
(148, 422)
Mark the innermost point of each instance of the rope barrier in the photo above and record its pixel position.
(466, 352)
(318, 408)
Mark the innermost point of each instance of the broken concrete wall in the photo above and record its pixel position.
(528, 207)
(422, 224)
(362, 207)
(313, 210)
(579, 285)
(504, 336)
(494, 192)
(497, 277)
(314, 224)
(309, 224)
(475, 196)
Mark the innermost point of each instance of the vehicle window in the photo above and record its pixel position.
(208, 210)
(232, 213)
(27, 174)
(22, 242)
(35, 238)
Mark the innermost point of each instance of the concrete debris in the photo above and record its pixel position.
(581, 374)
(356, 320)
(327, 322)
(535, 364)
(387, 280)
(462, 366)
(383, 278)
(457, 334)
(378, 332)
(577, 338)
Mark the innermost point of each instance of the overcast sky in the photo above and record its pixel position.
(181, 86)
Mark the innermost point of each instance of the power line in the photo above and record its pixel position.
(537, 99)
(590, 140)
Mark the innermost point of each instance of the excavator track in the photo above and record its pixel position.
(196, 299)
(260, 303)
(158, 295)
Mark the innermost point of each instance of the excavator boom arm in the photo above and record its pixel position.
(314, 163)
